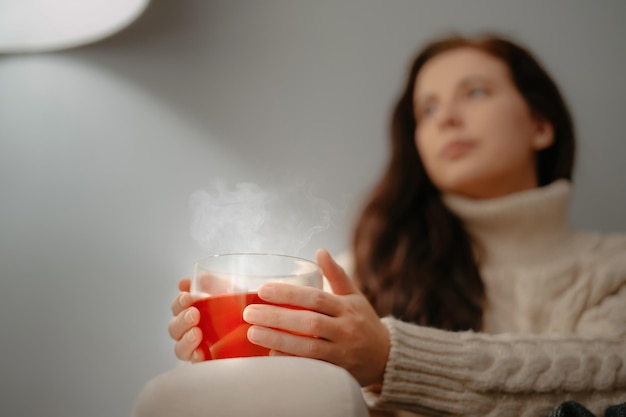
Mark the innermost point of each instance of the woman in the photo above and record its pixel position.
(490, 303)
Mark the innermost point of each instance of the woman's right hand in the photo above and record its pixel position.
(183, 327)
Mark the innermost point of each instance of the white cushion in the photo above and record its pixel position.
(258, 386)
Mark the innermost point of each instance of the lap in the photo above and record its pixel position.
(277, 386)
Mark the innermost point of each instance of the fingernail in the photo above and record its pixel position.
(250, 314)
(266, 292)
(254, 334)
(182, 300)
(191, 335)
(190, 316)
(195, 357)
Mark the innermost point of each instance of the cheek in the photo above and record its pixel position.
(510, 130)
(425, 147)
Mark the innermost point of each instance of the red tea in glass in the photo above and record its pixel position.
(224, 332)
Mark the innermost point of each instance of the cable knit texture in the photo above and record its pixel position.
(554, 326)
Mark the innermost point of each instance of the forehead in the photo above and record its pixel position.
(449, 68)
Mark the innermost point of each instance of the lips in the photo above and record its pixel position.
(457, 149)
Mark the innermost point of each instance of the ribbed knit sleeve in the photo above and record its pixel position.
(441, 373)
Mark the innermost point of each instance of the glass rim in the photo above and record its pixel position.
(280, 255)
(199, 263)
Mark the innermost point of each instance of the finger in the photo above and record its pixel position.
(183, 322)
(339, 281)
(198, 356)
(304, 346)
(300, 296)
(278, 353)
(186, 349)
(303, 322)
(184, 284)
(182, 301)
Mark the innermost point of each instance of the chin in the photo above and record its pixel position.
(477, 176)
(472, 186)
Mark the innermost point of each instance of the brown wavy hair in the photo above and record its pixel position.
(413, 257)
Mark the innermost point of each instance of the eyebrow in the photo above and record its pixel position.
(462, 83)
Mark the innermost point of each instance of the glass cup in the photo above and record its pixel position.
(223, 285)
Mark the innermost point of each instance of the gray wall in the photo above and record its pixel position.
(101, 147)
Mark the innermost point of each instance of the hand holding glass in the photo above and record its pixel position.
(223, 285)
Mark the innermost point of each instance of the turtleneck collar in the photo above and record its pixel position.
(519, 228)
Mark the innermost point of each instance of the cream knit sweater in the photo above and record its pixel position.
(554, 325)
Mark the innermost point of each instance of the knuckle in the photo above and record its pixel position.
(276, 319)
(318, 300)
(289, 294)
(180, 351)
(193, 315)
(351, 330)
(314, 326)
(181, 321)
(184, 300)
(312, 349)
(351, 308)
(181, 302)
(276, 341)
(197, 356)
(171, 329)
(180, 324)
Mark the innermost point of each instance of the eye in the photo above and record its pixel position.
(428, 110)
(477, 92)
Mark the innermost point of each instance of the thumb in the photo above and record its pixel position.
(339, 281)
(184, 284)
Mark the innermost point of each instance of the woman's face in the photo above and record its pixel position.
(475, 133)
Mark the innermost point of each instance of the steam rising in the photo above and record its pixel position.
(247, 218)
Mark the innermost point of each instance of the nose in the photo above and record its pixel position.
(450, 116)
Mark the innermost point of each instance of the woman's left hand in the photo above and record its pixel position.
(345, 328)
